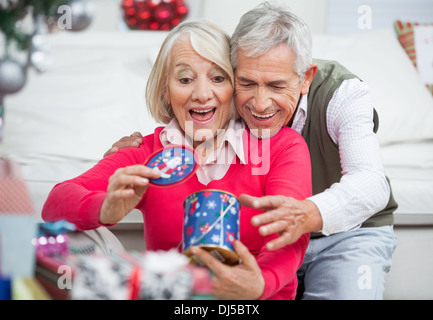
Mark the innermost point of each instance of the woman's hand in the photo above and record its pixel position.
(243, 281)
(125, 189)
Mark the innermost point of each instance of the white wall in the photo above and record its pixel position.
(226, 13)
(346, 16)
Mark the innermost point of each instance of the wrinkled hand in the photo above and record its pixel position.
(125, 189)
(288, 217)
(243, 281)
(134, 140)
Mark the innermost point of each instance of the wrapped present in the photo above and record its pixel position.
(52, 238)
(14, 195)
(18, 223)
(162, 275)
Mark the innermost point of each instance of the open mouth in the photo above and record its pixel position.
(262, 117)
(201, 115)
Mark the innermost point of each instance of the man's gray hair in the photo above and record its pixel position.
(267, 26)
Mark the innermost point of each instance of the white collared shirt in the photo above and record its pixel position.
(363, 189)
(218, 161)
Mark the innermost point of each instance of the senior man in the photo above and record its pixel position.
(278, 84)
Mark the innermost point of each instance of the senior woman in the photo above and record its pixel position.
(190, 89)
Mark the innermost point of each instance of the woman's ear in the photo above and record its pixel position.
(308, 78)
(166, 95)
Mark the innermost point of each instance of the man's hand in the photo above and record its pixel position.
(288, 217)
(134, 140)
(243, 281)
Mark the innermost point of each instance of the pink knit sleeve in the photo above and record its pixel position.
(79, 200)
(289, 175)
(279, 269)
(72, 202)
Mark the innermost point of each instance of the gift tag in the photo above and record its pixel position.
(175, 163)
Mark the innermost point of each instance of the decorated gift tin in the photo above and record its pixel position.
(211, 221)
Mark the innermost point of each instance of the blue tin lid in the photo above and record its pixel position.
(176, 164)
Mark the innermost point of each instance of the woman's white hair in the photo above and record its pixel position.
(267, 26)
(209, 41)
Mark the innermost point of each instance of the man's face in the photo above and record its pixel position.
(267, 89)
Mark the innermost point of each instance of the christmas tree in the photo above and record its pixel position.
(44, 13)
(13, 11)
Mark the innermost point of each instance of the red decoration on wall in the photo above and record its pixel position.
(153, 14)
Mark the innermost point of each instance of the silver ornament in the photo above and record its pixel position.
(39, 49)
(82, 14)
(13, 76)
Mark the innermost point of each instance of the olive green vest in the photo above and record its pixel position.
(325, 158)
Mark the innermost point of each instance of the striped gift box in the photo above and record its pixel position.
(405, 35)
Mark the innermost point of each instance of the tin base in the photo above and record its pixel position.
(224, 254)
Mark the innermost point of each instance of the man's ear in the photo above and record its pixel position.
(308, 78)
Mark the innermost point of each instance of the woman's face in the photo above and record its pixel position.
(199, 91)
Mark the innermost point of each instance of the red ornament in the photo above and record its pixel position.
(163, 13)
(153, 14)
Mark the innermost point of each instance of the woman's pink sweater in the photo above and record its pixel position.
(280, 166)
